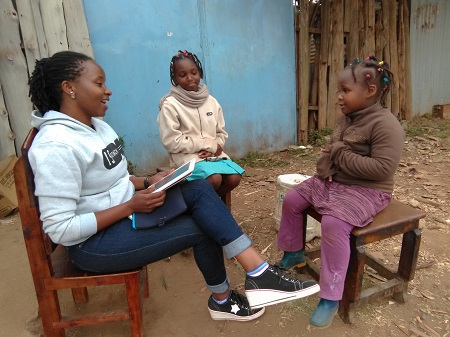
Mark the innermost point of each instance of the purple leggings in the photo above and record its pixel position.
(335, 246)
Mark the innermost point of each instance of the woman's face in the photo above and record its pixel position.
(91, 93)
(186, 75)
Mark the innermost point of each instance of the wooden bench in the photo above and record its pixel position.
(396, 219)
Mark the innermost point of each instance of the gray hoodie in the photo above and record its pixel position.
(78, 170)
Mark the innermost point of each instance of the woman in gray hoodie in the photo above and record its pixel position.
(86, 195)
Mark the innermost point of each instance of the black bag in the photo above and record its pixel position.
(173, 206)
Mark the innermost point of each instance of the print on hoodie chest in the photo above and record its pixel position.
(112, 154)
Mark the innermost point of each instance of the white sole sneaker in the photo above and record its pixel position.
(225, 316)
(258, 298)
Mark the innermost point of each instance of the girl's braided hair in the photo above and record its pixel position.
(48, 74)
(377, 72)
(184, 55)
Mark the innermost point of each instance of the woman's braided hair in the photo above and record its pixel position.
(375, 72)
(184, 55)
(49, 73)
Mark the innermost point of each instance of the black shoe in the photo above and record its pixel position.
(236, 308)
(274, 286)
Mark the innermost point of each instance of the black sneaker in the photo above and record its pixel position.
(274, 286)
(235, 309)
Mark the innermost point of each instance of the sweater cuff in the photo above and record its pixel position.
(88, 223)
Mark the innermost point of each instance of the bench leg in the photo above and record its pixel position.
(408, 261)
(353, 283)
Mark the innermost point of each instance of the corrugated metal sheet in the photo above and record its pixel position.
(248, 52)
(430, 54)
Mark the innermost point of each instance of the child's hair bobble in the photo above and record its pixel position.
(368, 58)
(357, 60)
(367, 75)
(386, 80)
(380, 69)
(381, 63)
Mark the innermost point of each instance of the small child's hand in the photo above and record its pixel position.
(326, 149)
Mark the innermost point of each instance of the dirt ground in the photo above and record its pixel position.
(422, 181)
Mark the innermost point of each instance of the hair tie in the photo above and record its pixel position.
(357, 60)
(367, 75)
(381, 63)
(386, 80)
(380, 69)
(368, 58)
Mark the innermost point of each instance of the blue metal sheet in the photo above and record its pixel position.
(247, 50)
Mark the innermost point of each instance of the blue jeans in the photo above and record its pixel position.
(207, 226)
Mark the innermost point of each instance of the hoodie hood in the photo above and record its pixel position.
(51, 117)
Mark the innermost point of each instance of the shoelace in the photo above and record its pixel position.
(279, 272)
(240, 300)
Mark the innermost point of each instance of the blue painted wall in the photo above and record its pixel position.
(247, 49)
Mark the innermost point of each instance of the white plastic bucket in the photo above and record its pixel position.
(284, 183)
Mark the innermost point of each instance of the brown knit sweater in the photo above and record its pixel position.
(365, 149)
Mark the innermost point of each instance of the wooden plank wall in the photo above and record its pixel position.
(344, 30)
(31, 30)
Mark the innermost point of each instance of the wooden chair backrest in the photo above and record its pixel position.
(38, 244)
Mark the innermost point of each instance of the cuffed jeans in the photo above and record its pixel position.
(207, 226)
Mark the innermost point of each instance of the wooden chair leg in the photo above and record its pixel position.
(50, 312)
(145, 287)
(80, 295)
(134, 305)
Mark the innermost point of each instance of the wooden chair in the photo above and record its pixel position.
(52, 269)
(396, 219)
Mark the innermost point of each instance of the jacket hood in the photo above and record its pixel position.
(52, 117)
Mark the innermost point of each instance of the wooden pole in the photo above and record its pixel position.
(386, 55)
(337, 59)
(323, 64)
(408, 88)
(401, 61)
(303, 72)
(393, 48)
(370, 16)
(353, 37)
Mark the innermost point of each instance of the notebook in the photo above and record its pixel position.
(173, 206)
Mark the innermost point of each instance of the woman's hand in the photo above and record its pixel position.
(146, 201)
